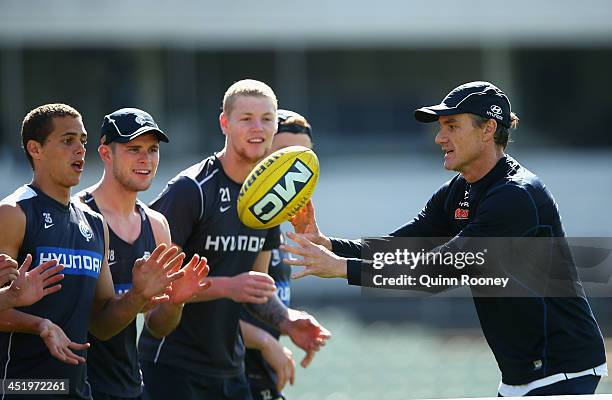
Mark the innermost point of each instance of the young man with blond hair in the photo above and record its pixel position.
(269, 365)
(203, 356)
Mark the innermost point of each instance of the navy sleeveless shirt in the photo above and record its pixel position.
(112, 365)
(74, 235)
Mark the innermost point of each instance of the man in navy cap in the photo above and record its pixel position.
(42, 222)
(129, 149)
(544, 345)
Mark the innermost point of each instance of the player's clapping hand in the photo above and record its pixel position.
(193, 282)
(8, 269)
(306, 332)
(152, 277)
(251, 287)
(31, 286)
(58, 343)
(316, 259)
(281, 360)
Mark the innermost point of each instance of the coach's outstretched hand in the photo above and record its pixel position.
(306, 332)
(316, 259)
(152, 277)
(58, 343)
(305, 222)
(193, 282)
(31, 286)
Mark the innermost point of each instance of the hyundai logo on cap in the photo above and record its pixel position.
(480, 98)
(127, 124)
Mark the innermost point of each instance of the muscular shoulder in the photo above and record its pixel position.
(13, 220)
(184, 198)
(159, 224)
(11, 214)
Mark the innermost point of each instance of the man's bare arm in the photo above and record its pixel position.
(150, 278)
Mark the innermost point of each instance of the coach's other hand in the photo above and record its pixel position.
(316, 259)
(305, 222)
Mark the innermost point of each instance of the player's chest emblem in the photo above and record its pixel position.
(225, 205)
(463, 210)
(47, 220)
(111, 257)
(85, 230)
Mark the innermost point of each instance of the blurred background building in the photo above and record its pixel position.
(356, 70)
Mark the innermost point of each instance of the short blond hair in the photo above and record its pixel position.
(247, 87)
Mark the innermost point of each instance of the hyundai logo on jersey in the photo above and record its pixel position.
(75, 262)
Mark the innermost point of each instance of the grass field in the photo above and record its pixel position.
(388, 361)
(398, 361)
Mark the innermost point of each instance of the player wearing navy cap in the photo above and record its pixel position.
(269, 365)
(543, 345)
(41, 220)
(203, 358)
(129, 149)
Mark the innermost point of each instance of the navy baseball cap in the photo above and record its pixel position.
(284, 115)
(127, 124)
(480, 98)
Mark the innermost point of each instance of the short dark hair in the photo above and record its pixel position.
(502, 134)
(38, 124)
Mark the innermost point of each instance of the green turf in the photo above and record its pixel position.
(396, 361)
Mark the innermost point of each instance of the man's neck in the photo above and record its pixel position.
(56, 192)
(481, 167)
(112, 197)
(235, 167)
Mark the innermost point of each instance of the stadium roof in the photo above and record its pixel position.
(307, 24)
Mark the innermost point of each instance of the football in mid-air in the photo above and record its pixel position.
(278, 187)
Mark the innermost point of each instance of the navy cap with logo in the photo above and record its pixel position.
(127, 124)
(480, 98)
(283, 116)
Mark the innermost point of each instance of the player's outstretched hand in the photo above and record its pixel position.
(281, 360)
(193, 282)
(305, 222)
(152, 277)
(316, 259)
(8, 269)
(59, 345)
(306, 332)
(251, 287)
(31, 286)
